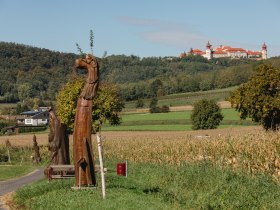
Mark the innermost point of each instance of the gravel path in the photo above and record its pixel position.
(13, 184)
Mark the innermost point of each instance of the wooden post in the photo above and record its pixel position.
(99, 144)
(126, 168)
(9, 157)
(80, 173)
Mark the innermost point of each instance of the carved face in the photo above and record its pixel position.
(82, 63)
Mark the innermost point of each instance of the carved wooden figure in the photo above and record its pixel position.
(37, 157)
(82, 146)
(58, 141)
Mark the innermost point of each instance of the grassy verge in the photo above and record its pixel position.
(13, 171)
(190, 186)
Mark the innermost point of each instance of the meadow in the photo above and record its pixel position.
(184, 99)
(172, 121)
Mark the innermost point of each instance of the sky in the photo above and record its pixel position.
(144, 28)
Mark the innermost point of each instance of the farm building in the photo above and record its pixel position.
(33, 118)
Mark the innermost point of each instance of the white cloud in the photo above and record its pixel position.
(183, 36)
(179, 35)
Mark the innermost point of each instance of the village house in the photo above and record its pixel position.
(34, 117)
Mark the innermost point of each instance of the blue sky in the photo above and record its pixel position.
(142, 28)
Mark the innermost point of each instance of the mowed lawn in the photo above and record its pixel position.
(171, 121)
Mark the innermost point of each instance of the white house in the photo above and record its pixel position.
(34, 118)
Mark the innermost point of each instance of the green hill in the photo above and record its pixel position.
(31, 72)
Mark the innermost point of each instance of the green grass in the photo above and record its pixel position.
(156, 116)
(183, 99)
(13, 171)
(171, 121)
(191, 186)
(229, 114)
(147, 128)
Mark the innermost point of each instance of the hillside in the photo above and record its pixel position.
(30, 72)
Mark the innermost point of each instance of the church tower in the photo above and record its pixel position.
(264, 51)
(208, 51)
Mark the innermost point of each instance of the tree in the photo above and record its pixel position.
(155, 86)
(106, 106)
(139, 103)
(153, 106)
(259, 97)
(24, 91)
(206, 114)
(21, 107)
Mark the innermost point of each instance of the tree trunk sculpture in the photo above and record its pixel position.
(82, 146)
(58, 141)
(37, 157)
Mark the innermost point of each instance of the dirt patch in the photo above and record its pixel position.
(7, 201)
(224, 104)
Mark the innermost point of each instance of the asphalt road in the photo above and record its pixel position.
(13, 184)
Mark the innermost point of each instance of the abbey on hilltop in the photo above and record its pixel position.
(228, 52)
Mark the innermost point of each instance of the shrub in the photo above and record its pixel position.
(164, 109)
(154, 108)
(139, 103)
(32, 129)
(206, 115)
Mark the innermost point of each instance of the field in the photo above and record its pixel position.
(171, 121)
(246, 148)
(168, 170)
(236, 166)
(184, 99)
(171, 170)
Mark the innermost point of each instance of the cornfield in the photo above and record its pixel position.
(251, 150)
(254, 152)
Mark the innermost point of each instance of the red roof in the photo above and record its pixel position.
(236, 50)
(253, 52)
(219, 52)
(182, 55)
(198, 51)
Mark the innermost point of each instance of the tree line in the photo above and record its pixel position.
(35, 76)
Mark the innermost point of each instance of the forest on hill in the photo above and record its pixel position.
(33, 73)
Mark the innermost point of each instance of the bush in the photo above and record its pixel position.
(139, 103)
(154, 108)
(164, 109)
(206, 115)
(32, 129)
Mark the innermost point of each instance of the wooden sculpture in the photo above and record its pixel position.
(82, 146)
(58, 141)
(37, 157)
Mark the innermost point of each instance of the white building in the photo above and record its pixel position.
(33, 118)
(228, 52)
